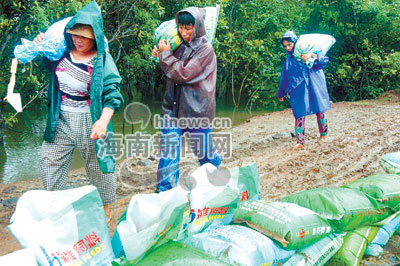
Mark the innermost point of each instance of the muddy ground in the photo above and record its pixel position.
(359, 133)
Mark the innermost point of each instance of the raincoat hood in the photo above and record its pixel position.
(289, 35)
(199, 15)
(88, 15)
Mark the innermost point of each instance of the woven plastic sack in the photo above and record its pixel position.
(344, 208)
(375, 248)
(353, 248)
(168, 30)
(382, 187)
(177, 254)
(391, 163)
(65, 227)
(53, 45)
(247, 179)
(149, 221)
(317, 254)
(24, 257)
(211, 203)
(315, 43)
(239, 245)
(292, 226)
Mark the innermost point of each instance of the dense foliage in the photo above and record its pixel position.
(365, 61)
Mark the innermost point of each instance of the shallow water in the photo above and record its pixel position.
(20, 152)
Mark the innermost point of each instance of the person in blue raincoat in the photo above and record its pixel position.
(305, 87)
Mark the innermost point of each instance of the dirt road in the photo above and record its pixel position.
(359, 133)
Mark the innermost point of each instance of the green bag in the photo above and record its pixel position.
(149, 221)
(354, 246)
(247, 179)
(345, 208)
(292, 226)
(168, 30)
(66, 227)
(391, 163)
(177, 254)
(383, 187)
(317, 254)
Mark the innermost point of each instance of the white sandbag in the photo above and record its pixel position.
(24, 257)
(313, 43)
(149, 221)
(65, 227)
(239, 245)
(210, 203)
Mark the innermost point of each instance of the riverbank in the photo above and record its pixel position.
(359, 133)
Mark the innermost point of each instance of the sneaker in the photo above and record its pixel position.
(322, 138)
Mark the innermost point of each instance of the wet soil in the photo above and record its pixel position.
(359, 133)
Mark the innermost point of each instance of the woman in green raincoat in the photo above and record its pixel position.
(83, 96)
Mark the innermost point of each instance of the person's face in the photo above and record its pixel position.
(83, 44)
(287, 45)
(186, 31)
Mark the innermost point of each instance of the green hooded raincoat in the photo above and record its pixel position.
(105, 82)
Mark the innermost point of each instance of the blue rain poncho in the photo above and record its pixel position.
(306, 87)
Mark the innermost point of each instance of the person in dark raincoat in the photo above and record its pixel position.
(83, 96)
(306, 88)
(191, 72)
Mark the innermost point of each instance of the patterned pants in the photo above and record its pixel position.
(300, 127)
(73, 131)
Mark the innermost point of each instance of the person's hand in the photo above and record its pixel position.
(308, 55)
(99, 129)
(164, 46)
(39, 38)
(155, 51)
(280, 99)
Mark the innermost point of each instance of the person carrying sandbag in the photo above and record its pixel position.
(191, 72)
(305, 86)
(83, 96)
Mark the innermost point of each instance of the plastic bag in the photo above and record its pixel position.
(53, 45)
(239, 245)
(177, 254)
(391, 163)
(345, 208)
(382, 187)
(315, 43)
(247, 179)
(210, 204)
(353, 248)
(168, 30)
(24, 257)
(65, 227)
(375, 248)
(290, 225)
(317, 254)
(149, 221)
